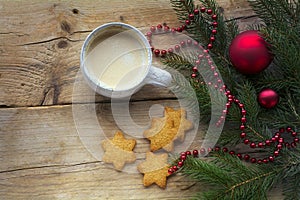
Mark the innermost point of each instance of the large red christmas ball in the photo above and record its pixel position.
(249, 54)
(268, 98)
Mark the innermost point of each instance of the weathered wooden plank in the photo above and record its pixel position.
(54, 135)
(87, 181)
(43, 157)
(40, 43)
(93, 181)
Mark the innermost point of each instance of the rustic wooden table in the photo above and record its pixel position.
(41, 154)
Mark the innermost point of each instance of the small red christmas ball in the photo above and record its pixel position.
(180, 164)
(249, 54)
(195, 153)
(268, 98)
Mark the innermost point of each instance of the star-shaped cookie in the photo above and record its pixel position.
(164, 131)
(118, 150)
(155, 169)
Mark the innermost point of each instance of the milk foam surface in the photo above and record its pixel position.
(118, 59)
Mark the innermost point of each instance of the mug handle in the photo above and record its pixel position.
(159, 77)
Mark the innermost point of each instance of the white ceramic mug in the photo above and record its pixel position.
(116, 61)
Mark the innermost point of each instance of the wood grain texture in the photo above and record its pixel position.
(46, 132)
(43, 157)
(40, 43)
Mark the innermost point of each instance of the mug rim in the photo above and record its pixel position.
(96, 84)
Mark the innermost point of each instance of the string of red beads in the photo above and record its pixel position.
(279, 146)
(277, 140)
(190, 19)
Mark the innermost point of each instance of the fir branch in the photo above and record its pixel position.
(247, 95)
(290, 176)
(203, 100)
(255, 132)
(183, 90)
(274, 11)
(227, 30)
(230, 178)
(183, 61)
(257, 27)
(206, 172)
(200, 30)
(282, 33)
(228, 136)
(228, 162)
(234, 187)
(291, 189)
(293, 107)
(177, 61)
(182, 8)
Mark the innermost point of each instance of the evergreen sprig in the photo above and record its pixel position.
(274, 11)
(183, 61)
(226, 175)
(281, 30)
(200, 30)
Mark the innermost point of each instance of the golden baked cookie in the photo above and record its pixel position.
(155, 169)
(164, 131)
(118, 150)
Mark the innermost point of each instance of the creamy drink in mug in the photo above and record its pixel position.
(116, 60)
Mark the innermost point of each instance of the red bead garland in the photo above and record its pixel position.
(279, 146)
(189, 20)
(276, 140)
